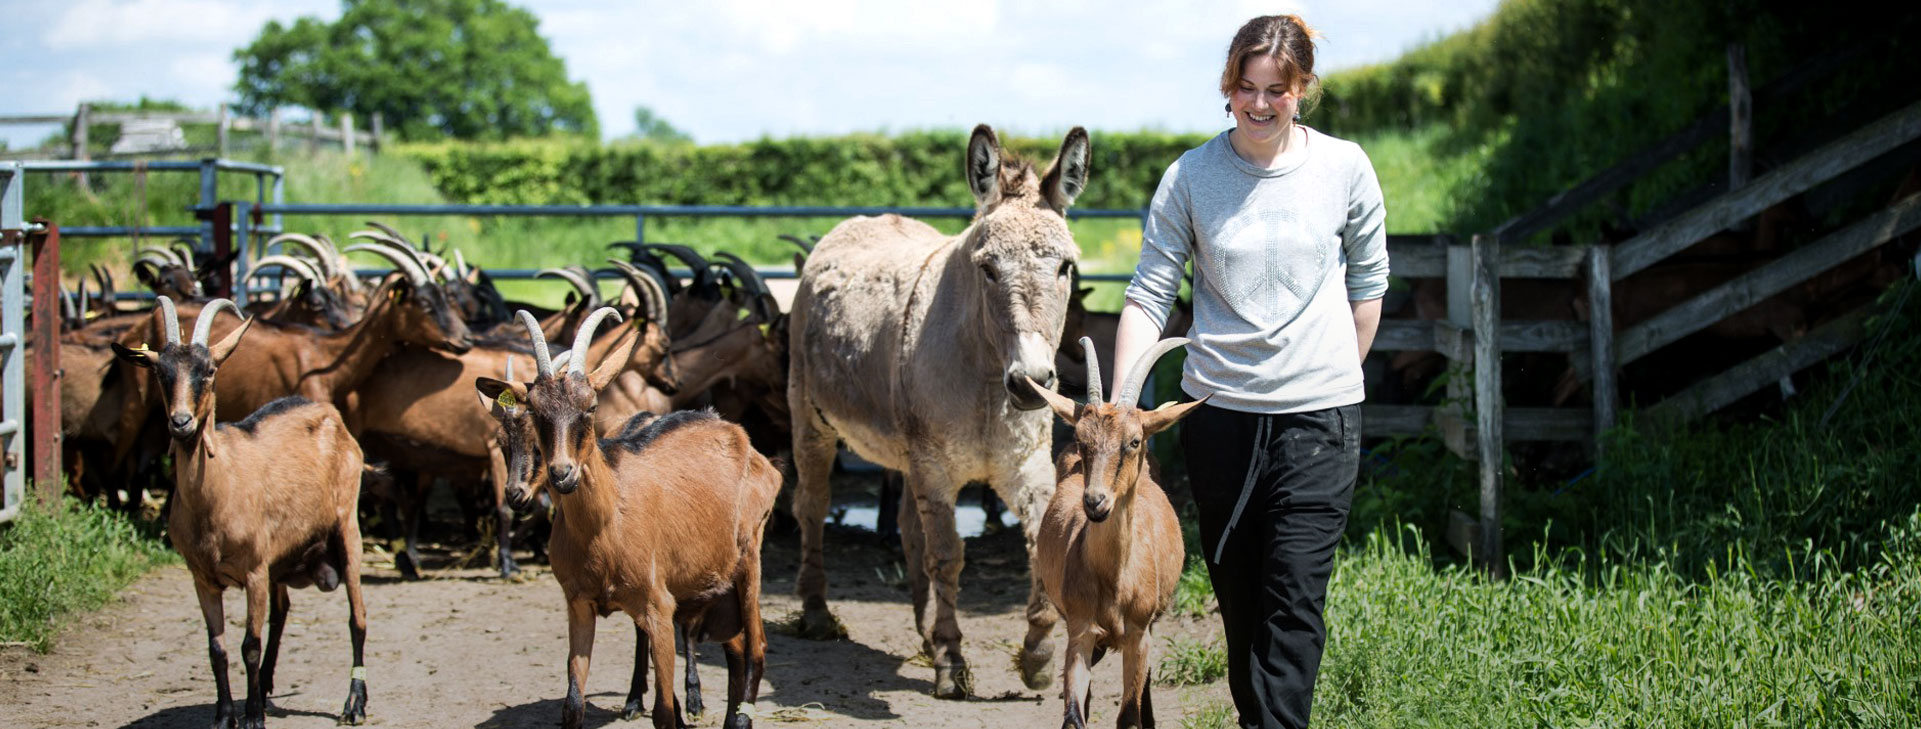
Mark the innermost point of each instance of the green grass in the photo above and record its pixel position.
(1186, 662)
(68, 558)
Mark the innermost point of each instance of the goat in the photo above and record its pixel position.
(416, 413)
(251, 512)
(667, 522)
(1109, 551)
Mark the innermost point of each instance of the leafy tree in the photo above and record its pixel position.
(468, 69)
(655, 128)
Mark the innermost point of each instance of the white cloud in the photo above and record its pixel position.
(101, 24)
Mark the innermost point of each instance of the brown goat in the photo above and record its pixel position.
(1109, 552)
(662, 524)
(252, 511)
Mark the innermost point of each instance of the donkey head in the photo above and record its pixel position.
(1023, 254)
(185, 370)
(561, 401)
(1109, 435)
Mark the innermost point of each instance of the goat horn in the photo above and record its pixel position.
(436, 266)
(166, 256)
(1093, 370)
(299, 266)
(67, 310)
(1131, 390)
(186, 253)
(804, 246)
(585, 336)
(652, 298)
(83, 300)
(561, 360)
(543, 365)
(169, 319)
(328, 268)
(745, 271)
(581, 283)
(398, 245)
(391, 232)
(414, 272)
(460, 264)
(510, 367)
(203, 324)
(696, 265)
(339, 263)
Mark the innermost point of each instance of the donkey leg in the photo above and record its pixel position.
(814, 452)
(913, 544)
(1032, 488)
(933, 493)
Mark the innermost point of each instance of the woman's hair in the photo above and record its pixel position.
(1283, 37)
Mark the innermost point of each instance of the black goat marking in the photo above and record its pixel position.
(638, 440)
(253, 421)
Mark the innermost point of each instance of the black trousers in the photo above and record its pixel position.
(1273, 493)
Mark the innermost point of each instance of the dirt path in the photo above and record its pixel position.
(463, 649)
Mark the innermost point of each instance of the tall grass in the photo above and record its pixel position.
(66, 558)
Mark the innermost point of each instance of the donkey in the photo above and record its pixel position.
(914, 348)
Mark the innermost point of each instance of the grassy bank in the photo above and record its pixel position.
(67, 558)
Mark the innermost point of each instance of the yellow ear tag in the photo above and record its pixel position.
(142, 347)
(507, 400)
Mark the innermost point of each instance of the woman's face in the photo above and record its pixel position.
(1264, 103)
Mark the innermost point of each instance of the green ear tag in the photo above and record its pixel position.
(507, 400)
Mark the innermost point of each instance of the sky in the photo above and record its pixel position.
(737, 70)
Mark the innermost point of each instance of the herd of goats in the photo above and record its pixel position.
(934, 356)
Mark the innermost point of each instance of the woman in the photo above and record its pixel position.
(1284, 225)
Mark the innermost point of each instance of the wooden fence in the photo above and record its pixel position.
(1476, 423)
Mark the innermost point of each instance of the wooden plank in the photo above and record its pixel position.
(1517, 425)
(1488, 402)
(1404, 335)
(1740, 118)
(1600, 292)
(1416, 256)
(1454, 343)
(1542, 261)
(1543, 336)
(1750, 288)
(1379, 420)
(1811, 169)
(1723, 389)
(36, 118)
(1456, 432)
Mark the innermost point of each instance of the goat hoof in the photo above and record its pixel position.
(739, 721)
(1034, 666)
(355, 712)
(407, 566)
(694, 707)
(953, 682)
(821, 625)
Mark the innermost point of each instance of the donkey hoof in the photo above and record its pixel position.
(953, 682)
(821, 625)
(1034, 667)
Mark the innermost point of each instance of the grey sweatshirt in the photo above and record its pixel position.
(1279, 252)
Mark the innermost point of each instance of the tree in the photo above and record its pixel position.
(655, 128)
(469, 69)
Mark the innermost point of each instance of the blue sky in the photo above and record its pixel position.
(733, 70)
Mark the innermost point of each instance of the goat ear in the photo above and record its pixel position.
(613, 364)
(984, 166)
(225, 346)
(500, 394)
(1157, 420)
(147, 274)
(141, 357)
(1067, 177)
(1067, 409)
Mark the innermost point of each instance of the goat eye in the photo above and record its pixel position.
(1134, 445)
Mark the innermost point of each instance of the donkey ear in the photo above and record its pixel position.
(1067, 177)
(984, 166)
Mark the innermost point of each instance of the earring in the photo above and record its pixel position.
(1228, 107)
(1297, 117)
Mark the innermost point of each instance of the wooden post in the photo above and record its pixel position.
(347, 132)
(379, 136)
(82, 118)
(1460, 281)
(1740, 118)
(1601, 339)
(273, 130)
(1488, 405)
(226, 123)
(313, 134)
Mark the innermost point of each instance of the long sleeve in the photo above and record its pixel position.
(1166, 242)
(1364, 238)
